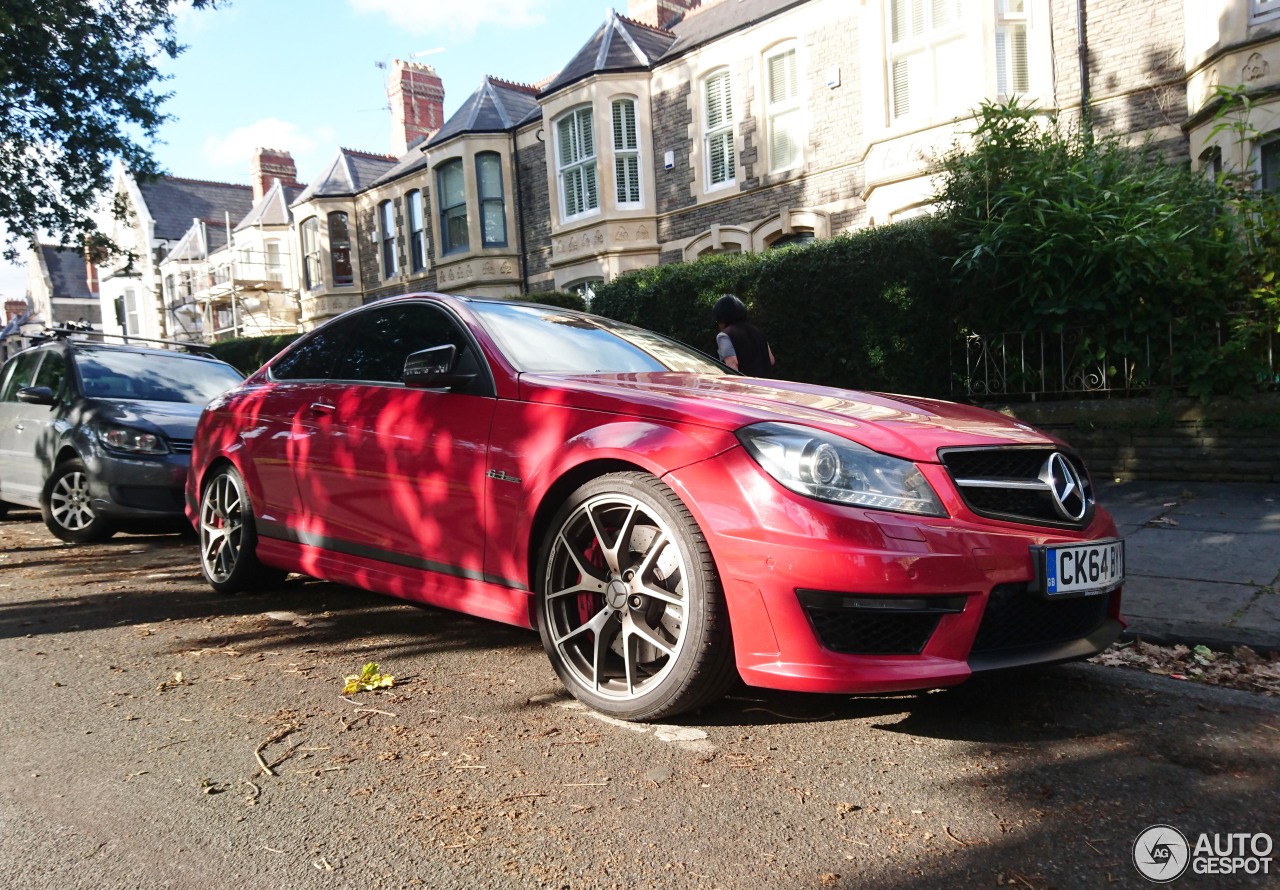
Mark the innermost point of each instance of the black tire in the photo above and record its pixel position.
(4, 509)
(629, 603)
(228, 539)
(67, 508)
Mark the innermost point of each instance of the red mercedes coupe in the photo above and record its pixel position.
(664, 523)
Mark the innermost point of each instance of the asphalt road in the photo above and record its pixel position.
(156, 735)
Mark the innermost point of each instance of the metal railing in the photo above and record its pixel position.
(1079, 361)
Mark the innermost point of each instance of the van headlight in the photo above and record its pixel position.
(123, 438)
(830, 468)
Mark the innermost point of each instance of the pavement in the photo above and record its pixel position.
(1202, 561)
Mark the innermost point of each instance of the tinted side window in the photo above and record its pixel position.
(317, 356)
(53, 371)
(21, 372)
(388, 336)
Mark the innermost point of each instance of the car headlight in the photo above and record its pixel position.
(122, 438)
(831, 468)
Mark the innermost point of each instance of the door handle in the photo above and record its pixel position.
(322, 408)
(19, 427)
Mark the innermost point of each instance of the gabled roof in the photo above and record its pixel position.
(497, 106)
(173, 202)
(204, 237)
(350, 172)
(272, 209)
(620, 44)
(67, 276)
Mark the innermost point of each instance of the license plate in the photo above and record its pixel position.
(1080, 569)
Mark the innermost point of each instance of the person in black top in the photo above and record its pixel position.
(741, 345)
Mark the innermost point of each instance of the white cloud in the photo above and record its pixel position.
(232, 153)
(458, 20)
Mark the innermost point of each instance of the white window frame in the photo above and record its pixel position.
(132, 319)
(1011, 25)
(913, 54)
(309, 235)
(1263, 10)
(577, 170)
(718, 133)
(273, 263)
(628, 189)
(784, 114)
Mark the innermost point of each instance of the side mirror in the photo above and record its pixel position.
(36, 395)
(435, 368)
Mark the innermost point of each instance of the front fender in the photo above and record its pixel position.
(535, 462)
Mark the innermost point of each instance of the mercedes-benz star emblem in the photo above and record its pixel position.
(1063, 479)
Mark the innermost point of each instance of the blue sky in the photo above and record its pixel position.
(305, 75)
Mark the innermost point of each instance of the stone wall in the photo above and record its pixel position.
(1227, 440)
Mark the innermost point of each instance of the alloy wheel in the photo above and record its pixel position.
(69, 501)
(221, 528)
(615, 597)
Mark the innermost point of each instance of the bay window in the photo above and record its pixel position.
(576, 163)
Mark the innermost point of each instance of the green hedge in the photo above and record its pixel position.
(872, 310)
(248, 354)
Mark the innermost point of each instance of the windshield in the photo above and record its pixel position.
(152, 376)
(543, 339)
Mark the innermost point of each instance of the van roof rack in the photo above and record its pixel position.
(68, 330)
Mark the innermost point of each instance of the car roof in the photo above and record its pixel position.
(179, 350)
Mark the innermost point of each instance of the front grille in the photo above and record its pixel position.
(181, 446)
(876, 625)
(1010, 484)
(1016, 617)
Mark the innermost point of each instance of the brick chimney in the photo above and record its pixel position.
(416, 94)
(659, 12)
(269, 164)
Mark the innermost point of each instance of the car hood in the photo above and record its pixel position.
(904, 426)
(177, 420)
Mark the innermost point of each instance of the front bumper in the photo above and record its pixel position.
(142, 487)
(829, 598)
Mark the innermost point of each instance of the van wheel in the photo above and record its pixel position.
(67, 507)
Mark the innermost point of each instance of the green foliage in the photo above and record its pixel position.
(1056, 230)
(248, 354)
(77, 82)
(873, 310)
(559, 298)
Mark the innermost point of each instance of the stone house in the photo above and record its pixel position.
(681, 129)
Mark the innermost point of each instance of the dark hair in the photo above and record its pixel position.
(729, 310)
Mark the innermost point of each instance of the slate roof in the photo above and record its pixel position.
(350, 172)
(174, 202)
(496, 107)
(66, 272)
(272, 209)
(713, 20)
(620, 44)
(413, 160)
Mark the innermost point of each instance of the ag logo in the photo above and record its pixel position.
(1161, 854)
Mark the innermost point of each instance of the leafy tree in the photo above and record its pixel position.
(1062, 230)
(78, 89)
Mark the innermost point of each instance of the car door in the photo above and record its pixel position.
(28, 441)
(395, 473)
